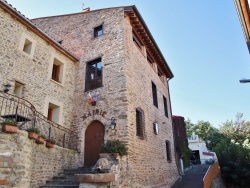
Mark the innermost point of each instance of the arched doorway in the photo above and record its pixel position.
(94, 138)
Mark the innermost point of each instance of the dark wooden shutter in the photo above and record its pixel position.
(50, 111)
(165, 106)
(140, 129)
(154, 91)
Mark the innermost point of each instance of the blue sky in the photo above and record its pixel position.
(202, 42)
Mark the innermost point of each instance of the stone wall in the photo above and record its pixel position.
(34, 71)
(23, 163)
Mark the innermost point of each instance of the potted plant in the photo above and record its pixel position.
(33, 132)
(114, 147)
(40, 139)
(9, 126)
(50, 142)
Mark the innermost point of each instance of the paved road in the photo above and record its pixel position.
(193, 178)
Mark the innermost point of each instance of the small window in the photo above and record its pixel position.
(98, 31)
(165, 106)
(94, 75)
(57, 70)
(27, 46)
(154, 92)
(53, 113)
(137, 41)
(18, 90)
(150, 59)
(140, 129)
(168, 151)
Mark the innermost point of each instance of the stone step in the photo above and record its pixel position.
(61, 186)
(61, 182)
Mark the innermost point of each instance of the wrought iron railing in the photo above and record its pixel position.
(25, 115)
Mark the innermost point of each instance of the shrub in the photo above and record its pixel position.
(9, 122)
(33, 129)
(114, 146)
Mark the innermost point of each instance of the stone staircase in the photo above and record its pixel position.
(66, 178)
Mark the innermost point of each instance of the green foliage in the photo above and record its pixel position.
(33, 129)
(114, 146)
(186, 153)
(51, 140)
(9, 122)
(231, 144)
(42, 136)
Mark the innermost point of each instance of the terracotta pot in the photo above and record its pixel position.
(9, 128)
(49, 145)
(33, 135)
(39, 140)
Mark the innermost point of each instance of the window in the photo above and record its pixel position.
(94, 75)
(137, 41)
(168, 151)
(53, 113)
(18, 90)
(57, 70)
(27, 46)
(150, 59)
(98, 31)
(154, 91)
(140, 130)
(165, 106)
(160, 74)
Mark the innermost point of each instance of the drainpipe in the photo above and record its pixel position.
(173, 127)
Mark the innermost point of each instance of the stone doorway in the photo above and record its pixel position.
(94, 138)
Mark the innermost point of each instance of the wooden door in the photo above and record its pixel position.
(94, 138)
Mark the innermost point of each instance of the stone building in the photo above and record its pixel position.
(82, 71)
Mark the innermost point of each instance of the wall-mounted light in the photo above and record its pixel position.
(156, 128)
(112, 124)
(7, 88)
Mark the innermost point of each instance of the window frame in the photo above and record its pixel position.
(58, 75)
(96, 31)
(137, 40)
(168, 151)
(88, 74)
(140, 123)
(165, 106)
(154, 94)
(22, 43)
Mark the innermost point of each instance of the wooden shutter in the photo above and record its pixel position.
(50, 111)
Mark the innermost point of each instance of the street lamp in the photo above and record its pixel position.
(243, 80)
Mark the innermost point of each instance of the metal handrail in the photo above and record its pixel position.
(26, 112)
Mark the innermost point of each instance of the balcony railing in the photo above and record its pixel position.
(25, 115)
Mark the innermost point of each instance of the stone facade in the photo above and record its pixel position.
(34, 72)
(23, 163)
(127, 84)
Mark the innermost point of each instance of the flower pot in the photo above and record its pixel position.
(49, 145)
(33, 135)
(9, 128)
(39, 140)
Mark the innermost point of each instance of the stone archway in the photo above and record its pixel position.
(94, 138)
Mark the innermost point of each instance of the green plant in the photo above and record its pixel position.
(9, 122)
(51, 140)
(114, 146)
(33, 129)
(42, 136)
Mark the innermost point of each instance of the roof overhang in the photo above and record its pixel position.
(242, 7)
(141, 28)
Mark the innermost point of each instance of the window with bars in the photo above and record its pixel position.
(165, 106)
(94, 75)
(154, 92)
(168, 151)
(140, 125)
